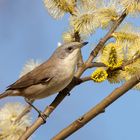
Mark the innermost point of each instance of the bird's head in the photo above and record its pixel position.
(69, 50)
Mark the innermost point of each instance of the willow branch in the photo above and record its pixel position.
(96, 64)
(49, 109)
(101, 43)
(126, 63)
(66, 91)
(131, 61)
(85, 79)
(99, 108)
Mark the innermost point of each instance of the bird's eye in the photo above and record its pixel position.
(69, 48)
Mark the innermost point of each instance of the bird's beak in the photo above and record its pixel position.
(83, 44)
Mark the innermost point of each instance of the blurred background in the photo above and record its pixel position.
(28, 32)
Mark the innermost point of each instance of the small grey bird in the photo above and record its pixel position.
(50, 77)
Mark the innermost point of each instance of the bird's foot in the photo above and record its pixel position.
(68, 94)
(43, 116)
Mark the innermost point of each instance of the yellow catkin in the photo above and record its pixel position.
(125, 36)
(112, 56)
(116, 76)
(10, 130)
(106, 15)
(99, 75)
(132, 6)
(85, 23)
(57, 8)
(68, 36)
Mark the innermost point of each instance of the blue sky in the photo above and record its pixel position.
(28, 32)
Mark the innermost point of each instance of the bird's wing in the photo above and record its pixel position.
(41, 74)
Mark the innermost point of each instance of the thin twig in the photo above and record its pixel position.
(130, 61)
(99, 108)
(101, 43)
(96, 64)
(85, 79)
(126, 63)
(49, 109)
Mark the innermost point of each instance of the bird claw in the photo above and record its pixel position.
(68, 94)
(43, 116)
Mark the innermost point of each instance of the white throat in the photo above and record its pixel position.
(72, 58)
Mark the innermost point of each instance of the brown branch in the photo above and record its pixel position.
(126, 63)
(107, 36)
(53, 105)
(79, 72)
(77, 36)
(101, 43)
(99, 108)
(96, 64)
(130, 61)
(85, 79)
(59, 98)
(39, 121)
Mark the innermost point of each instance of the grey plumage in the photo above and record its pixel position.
(50, 77)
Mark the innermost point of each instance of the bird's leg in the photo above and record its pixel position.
(30, 103)
(41, 114)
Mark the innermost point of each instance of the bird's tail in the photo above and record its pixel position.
(5, 94)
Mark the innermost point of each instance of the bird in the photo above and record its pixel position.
(50, 77)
